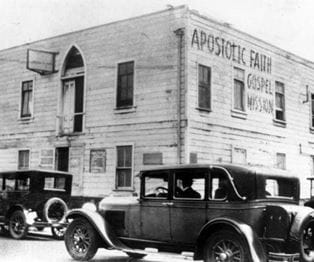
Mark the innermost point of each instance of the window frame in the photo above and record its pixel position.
(119, 106)
(208, 86)
(312, 111)
(234, 79)
(31, 104)
(123, 188)
(279, 154)
(18, 158)
(283, 110)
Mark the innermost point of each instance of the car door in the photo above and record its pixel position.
(188, 212)
(154, 206)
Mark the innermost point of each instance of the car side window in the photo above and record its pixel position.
(54, 183)
(220, 186)
(190, 185)
(9, 184)
(156, 185)
(23, 184)
(1, 183)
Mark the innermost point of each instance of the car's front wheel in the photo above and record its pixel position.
(81, 240)
(17, 225)
(225, 246)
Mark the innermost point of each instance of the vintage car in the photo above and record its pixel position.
(220, 212)
(34, 199)
(310, 201)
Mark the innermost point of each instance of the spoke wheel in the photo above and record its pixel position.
(58, 232)
(225, 246)
(81, 240)
(307, 242)
(17, 225)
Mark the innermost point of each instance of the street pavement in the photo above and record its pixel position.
(41, 247)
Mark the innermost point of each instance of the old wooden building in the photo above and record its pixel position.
(164, 88)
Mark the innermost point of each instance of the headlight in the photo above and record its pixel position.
(89, 206)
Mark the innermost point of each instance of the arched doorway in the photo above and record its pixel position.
(71, 115)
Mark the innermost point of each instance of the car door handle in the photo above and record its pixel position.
(167, 203)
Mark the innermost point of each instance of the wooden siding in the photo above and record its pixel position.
(214, 134)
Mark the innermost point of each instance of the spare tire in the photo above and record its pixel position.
(55, 210)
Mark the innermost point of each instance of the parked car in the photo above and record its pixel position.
(310, 201)
(34, 198)
(220, 212)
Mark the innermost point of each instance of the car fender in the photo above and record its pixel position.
(254, 245)
(103, 228)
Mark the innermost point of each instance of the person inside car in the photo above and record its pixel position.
(222, 191)
(187, 190)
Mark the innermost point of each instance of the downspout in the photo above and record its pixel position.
(180, 82)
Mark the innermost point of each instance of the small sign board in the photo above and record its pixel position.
(152, 158)
(42, 62)
(98, 161)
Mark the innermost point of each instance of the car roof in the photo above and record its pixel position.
(35, 171)
(231, 168)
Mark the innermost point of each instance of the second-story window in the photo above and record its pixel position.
(27, 99)
(204, 75)
(280, 101)
(312, 110)
(238, 90)
(125, 84)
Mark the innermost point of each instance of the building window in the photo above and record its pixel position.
(125, 84)
(204, 76)
(280, 101)
(23, 159)
(124, 167)
(238, 89)
(281, 161)
(27, 99)
(312, 110)
(62, 159)
(73, 105)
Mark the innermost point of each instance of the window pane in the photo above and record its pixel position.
(124, 166)
(124, 177)
(23, 159)
(279, 100)
(156, 185)
(281, 161)
(9, 184)
(125, 84)
(23, 184)
(204, 87)
(238, 95)
(27, 98)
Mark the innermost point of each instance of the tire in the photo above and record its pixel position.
(81, 240)
(58, 232)
(55, 210)
(17, 225)
(307, 241)
(225, 246)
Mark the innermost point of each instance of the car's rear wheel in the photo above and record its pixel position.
(81, 240)
(58, 232)
(225, 246)
(17, 225)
